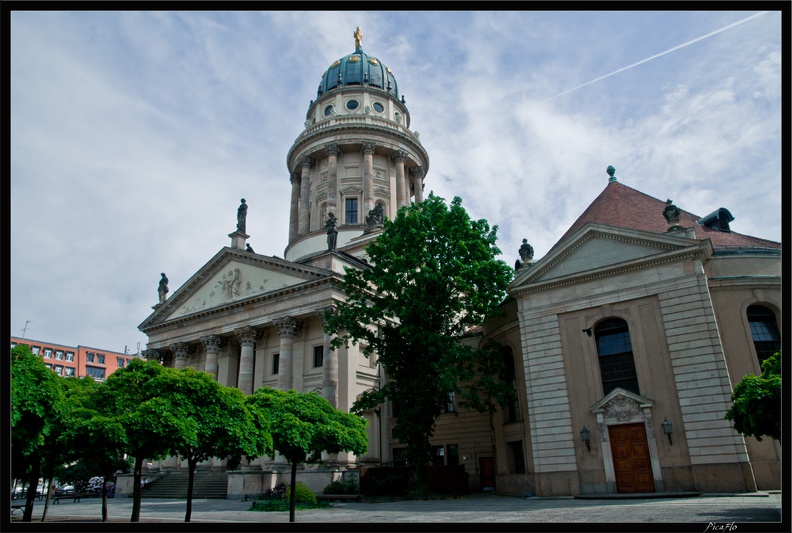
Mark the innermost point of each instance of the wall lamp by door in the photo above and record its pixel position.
(585, 435)
(667, 429)
(587, 331)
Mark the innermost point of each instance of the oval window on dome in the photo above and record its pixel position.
(373, 61)
(328, 110)
(378, 107)
(334, 65)
(354, 59)
(352, 104)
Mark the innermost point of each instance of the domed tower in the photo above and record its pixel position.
(355, 154)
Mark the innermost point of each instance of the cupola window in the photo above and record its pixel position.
(352, 104)
(378, 107)
(328, 110)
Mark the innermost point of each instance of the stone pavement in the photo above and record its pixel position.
(762, 510)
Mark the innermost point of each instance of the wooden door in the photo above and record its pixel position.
(487, 469)
(631, 461)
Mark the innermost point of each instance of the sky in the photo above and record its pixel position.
(135, 133)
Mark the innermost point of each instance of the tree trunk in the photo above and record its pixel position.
(191, 464)
(47, 500)
(293, 491)
(35, 468)
(136, 489)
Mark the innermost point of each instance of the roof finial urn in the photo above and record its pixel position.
(611, 171)
(672, 216)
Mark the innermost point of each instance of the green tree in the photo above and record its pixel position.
(756, 409)
(95, 440)
(433, 276)
(216, 423)
(303, 425)
(137, 397)
(37, 405)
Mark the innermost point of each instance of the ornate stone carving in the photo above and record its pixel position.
(622, 409)
(181, 350)
(306, 161)
(332, 149)
(230, 284)
(417, 172)
(400, 156)
(151, 354)
(212, 343)
(368, 148)
(242, 216)
(376, 217)
(246, 335)
(329, 310)
(287, 326)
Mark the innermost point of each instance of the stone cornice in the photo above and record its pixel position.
(623, 268)
(744, 281)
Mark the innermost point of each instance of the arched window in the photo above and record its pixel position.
(764, 331)
(617, 367)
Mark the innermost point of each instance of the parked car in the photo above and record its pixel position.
(65, 489)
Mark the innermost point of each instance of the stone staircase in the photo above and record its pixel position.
(173, 484)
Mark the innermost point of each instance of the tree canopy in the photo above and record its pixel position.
(433, 277)
(756, 411)
(303, 425)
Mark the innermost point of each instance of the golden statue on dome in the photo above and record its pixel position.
(358, 35)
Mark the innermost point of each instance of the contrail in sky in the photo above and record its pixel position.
(657, 55)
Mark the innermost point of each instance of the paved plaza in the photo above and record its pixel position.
(749, 512)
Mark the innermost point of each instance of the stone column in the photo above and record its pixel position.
(247, 340)
(151, 354)
(294, 207)
(330, 364)
(181, 352)
(402, 191)
(212, 344)
(305, 180)
(368, 178)
(287, 329)
(417, 175)
(333, 152)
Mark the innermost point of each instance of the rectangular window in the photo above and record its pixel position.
(318, 356)
(516, 457)
(121, 362)
(48, 365)
(450, 402)
(399, 457)
(94, 372)
(58, 354)
(35, 350)
(58, 370)
(100, 359)
(453, 454)
(69, 371)
(351, 211)
(438, 455)
(47, 352)
(275, 363)
(69, 356)
(89, 356)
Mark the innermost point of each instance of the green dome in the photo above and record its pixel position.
(359, 68)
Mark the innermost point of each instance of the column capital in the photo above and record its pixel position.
(333, 149)
(417, 172)
(330, 310)
(400, 156)
(294, 178)
(181, 350)
(306, 161)
(212, 343)
(287, 326)
(247, 336)
(368, 148)
(151, 354)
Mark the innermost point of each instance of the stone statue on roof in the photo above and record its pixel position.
(162, 289)
(332, 232)
(242, 216)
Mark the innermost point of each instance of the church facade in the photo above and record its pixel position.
(626, 338)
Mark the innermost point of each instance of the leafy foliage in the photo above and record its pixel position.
(348, 486)
(303, 425)
(756, 411)
(433, 277)
(302, 494)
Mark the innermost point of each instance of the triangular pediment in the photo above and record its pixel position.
(621, 406)
(598, 248)
(231, 277)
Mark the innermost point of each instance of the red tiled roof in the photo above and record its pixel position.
(622, 206)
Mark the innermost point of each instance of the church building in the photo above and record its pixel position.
(625, 340)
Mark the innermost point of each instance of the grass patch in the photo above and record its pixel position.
(283, 505)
